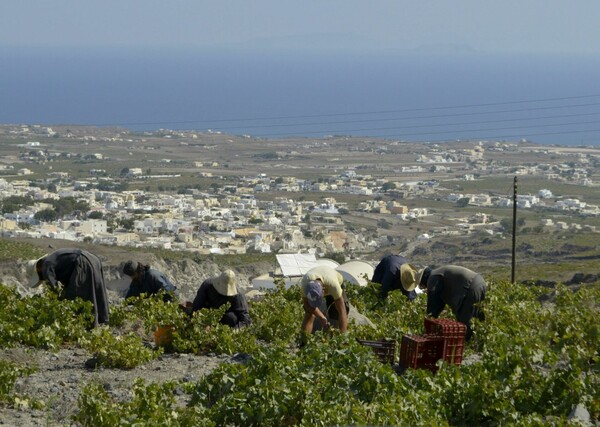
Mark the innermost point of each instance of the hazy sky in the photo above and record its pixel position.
(545, 26)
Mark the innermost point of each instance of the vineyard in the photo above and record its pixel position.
(532, 361)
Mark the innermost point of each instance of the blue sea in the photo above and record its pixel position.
(403, 95)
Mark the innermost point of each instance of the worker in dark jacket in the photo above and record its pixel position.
(80, 275)
(395, 273)
(145, 280)
(219, 290)
(461, 289)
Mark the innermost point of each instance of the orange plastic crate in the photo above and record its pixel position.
(384, 349)
(453, 333)
(421, 351)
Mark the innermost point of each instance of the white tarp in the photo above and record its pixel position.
(356, 272)
(296, 264)
(266, 281)
(328, 262)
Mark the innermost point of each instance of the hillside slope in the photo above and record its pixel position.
(186, 270)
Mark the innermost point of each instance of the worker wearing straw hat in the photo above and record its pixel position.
(395, 273)
(219, 290)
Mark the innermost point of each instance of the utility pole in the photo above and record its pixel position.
(514, 233)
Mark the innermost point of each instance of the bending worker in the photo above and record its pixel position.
(462, 289)
(145, 280)
(395, 273)
(219, 290)
(80, 274)
(323, 300)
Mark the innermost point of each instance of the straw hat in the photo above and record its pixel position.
(31, 270)
(408, 277)
(225, 283)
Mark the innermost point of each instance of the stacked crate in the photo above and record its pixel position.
(421, 351)
(443, 339)
(453, 333)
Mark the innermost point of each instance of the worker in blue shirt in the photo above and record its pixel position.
(395, 273)
(145, 280)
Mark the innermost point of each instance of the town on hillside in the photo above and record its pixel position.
(211, 193)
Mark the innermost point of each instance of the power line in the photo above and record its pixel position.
(210, 121)
(428, 125)
(432, 133)
(400, 130)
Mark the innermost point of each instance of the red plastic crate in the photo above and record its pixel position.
(385, 350)
(453, 333)
(421, 351)
(453, 349)
(444, 327)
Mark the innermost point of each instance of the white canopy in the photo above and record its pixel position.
(296, 264)
(357, 272)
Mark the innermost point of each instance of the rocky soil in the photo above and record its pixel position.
(61, 376)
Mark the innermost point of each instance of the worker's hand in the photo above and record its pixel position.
(186, 307)
(326, 325)
(57, 289)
